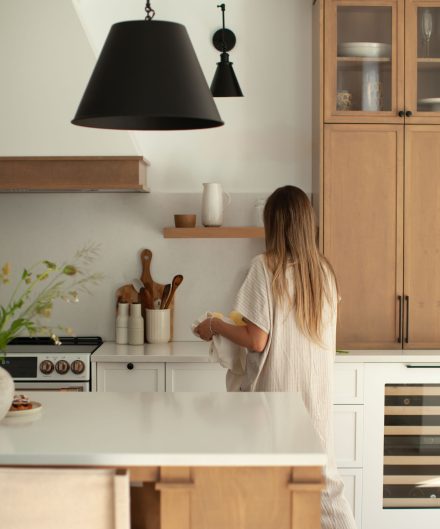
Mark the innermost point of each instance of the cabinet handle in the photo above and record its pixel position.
(407, 319)
(408, 113)
(399, 339)
(422, 366)
(130, 365)
(401, 113)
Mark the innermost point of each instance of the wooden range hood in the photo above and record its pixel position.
(63, 174)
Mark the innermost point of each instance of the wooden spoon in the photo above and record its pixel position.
(177, 280)
(165, 293)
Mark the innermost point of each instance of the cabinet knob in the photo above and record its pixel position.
(408, 113)
(130, 365)
(401, 114)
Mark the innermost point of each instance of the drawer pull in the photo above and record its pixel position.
(423, 366)
(306, 487)
(174, 485)
(130, 365)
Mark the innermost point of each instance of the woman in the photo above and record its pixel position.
(289, 303)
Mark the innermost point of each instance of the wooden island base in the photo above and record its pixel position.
(226, 497)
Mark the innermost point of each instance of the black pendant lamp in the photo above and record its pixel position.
(225, 82)
(147, 78)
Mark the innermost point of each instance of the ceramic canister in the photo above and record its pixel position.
(158, 322)
(6, 392)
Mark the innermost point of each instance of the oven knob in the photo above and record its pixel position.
(62, 367)
(77, 367)
(46, 367)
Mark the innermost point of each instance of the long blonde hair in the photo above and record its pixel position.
(291, 248)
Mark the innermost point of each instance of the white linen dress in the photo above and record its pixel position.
(293, 362)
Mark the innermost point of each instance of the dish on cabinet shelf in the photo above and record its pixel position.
(364, 49)
(432, 102)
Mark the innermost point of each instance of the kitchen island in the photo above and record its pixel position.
(237, 460)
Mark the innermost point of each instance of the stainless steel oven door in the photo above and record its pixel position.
(27, 387)
(401, 476)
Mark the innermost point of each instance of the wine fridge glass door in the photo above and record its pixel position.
(402, 457)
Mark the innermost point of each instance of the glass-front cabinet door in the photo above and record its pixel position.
(422, 56)
(364, 58)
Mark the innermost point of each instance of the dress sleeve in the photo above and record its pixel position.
(253, 298)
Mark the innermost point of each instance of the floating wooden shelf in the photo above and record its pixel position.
(75, 173)
(224, 232)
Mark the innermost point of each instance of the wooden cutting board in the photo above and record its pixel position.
(153, 290)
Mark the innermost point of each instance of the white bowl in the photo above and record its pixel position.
(364, 49)
(432, 102)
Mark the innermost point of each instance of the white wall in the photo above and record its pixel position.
(266, 139)
(45, 62)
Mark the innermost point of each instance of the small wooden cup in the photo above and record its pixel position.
(185, 221)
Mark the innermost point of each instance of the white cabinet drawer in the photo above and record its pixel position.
(348, 383)
(349, 426)
(130, 376)
(352, 478)
(186, 376)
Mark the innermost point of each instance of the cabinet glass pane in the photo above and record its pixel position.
(364, 49)
(412, 446)
(428, 59)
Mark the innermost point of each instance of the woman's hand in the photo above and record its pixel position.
(204, 330)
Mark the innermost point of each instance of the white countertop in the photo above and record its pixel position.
(163, 429)
(197, 351)
(162, 352)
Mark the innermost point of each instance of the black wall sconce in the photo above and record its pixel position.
(225, 82)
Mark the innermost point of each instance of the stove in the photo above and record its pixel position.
(38, 364)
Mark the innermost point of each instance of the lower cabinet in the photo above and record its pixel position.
(130, 376)
(352, 478)
(348, 420)
(189, 377)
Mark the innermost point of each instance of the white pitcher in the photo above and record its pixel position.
(213, 203)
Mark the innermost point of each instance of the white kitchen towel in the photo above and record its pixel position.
(228, 354)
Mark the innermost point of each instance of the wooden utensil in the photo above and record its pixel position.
(147, 280)
(177, 280)
(165, 294)
(145, 299)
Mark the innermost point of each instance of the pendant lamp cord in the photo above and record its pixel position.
(149, 10)
(223, 7)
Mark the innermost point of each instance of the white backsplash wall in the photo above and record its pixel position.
(47, 54)
(54, 226)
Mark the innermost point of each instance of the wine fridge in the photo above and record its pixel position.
(402, 461)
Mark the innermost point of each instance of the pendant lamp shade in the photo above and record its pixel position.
(224, 83)
(147, 78)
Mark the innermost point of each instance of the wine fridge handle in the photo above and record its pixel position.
(407, 319)
(422, 366)
(400, 337)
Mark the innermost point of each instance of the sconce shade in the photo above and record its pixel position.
(225, 82)
(147, 77)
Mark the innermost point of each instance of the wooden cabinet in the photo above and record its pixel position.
(422, 61)
(422, 237)
(364, 50)
(376, 167)
(363, 186)
(130, 376)
(382, 61)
